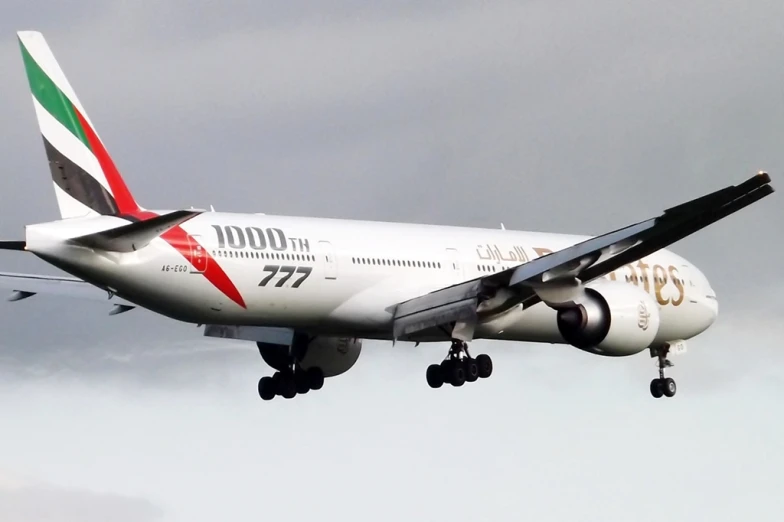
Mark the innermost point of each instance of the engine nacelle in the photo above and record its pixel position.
(613, 319)
(334, 355)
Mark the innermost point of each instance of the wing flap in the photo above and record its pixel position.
(417, 321)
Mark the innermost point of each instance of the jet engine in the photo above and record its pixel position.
(613, 319)
(334, 355)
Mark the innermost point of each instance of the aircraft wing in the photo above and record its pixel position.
(23, 286)
(583, 262)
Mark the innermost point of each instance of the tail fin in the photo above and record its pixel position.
(86, 181)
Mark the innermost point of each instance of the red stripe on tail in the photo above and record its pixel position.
(125, 202)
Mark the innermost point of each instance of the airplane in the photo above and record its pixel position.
(308, 291)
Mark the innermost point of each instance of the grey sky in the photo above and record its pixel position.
(556, 116)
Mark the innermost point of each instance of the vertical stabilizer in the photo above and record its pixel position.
(86, 181)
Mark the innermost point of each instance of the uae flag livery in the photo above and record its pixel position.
(86, 180)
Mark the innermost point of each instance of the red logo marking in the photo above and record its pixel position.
(199, 258)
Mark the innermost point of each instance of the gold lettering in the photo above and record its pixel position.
(659, 281)
(542, 251)
(633, 277)
(643, 270)
(478, 253)
(677, 281)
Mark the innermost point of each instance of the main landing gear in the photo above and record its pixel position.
(663, 386)
(290, 379)
(290, 383)
(459, 367)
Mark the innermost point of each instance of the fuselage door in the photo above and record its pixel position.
(328, 261)
(198, 255)
(453, 262)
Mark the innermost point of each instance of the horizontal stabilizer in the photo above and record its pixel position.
(132, 237)
(23, 286)
(18, 295)
(120, 308)
(12, 245)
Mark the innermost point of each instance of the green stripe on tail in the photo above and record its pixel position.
(51, 97)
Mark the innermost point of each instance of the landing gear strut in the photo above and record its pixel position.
(459, 367)
(663, 386)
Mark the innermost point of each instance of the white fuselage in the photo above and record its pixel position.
(339, 276)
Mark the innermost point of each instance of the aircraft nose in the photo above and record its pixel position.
(707, 301)
(712, 303)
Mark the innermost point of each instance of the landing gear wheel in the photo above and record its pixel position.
(668, 387)
(485, 365)
(459, 367)
(315, 378)
(435, 377)
(663, 386)
(266, 388)
(457, 376)
(471, 370)
(657, 388)
(446, 369)
(290, 378)
(301, 382)
(287, 388)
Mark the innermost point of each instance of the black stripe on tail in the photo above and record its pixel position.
(79, 184)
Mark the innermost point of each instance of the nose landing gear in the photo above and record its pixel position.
(663, 386)
(459, 367)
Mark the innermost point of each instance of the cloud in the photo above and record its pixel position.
(399, 102)
(23, 501)
(552, 116)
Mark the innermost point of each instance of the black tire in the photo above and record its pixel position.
(669, 388)
(266, 388)
(471, 370)
(446, 369)
(287, 388)
(435, 378)
(485, 365)
(457, 376)
(301, 382)
(315, 378)
(657, 388)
